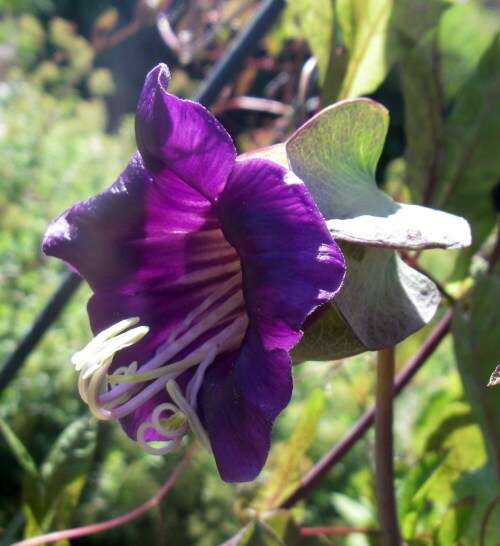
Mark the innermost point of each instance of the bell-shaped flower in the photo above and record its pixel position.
(203, 269)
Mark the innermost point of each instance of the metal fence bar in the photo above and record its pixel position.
(242, 46)
(222, 73)
(42, 323)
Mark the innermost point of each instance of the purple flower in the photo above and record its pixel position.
(203, 269)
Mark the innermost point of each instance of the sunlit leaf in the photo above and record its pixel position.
(412, 491)
(364, 28)
(353, 511)
(315, 21)
(106, 21)
(464, 33)
(423, 117)
(431, 74)
(411, 21)
(336, 155)
(255, 534)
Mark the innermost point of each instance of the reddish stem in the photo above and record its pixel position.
(335, 531)
(115, 522)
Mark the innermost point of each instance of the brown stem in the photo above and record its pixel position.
(95, 528)
(384, 456)
(335, 531)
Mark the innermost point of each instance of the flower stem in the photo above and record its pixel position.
(115, 522)
(384, 467)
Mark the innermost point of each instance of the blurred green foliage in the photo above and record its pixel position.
(59, 468)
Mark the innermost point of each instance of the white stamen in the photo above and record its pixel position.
(211, 320)
(79, 359)
(221, 309)
(227, 338)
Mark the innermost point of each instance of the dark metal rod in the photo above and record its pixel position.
(223, 72)
(243, 45)
(44, 320)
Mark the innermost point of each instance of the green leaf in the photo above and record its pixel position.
(471, 162)
(411, 21)
(353, 511)
(464, 33)
(364, 26)
(423, 109)
(477, 346)
(431, 75)
(19, 450)
(33, 491)
(412, 491)
(397, 300)
(281, 522)
(255, 534)
(315, 21)
(68, 461)
(287, 461)
(454, 523)
(336, 154)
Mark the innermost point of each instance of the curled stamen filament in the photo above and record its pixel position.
(170, 445)
(170, 433)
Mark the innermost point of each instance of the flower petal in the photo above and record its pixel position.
(149, 247)
(290, 266)
(182, 137)
(240, 434)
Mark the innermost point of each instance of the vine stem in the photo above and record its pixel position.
(336, 531)
(118, 521)
(384, 456)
